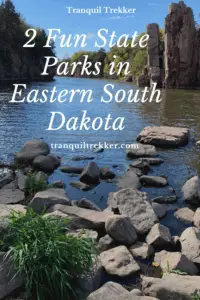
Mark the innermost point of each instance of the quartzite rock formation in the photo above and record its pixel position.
(174, 63)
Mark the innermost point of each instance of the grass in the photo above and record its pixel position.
(32, 185)
(196, 297)
(49, 260)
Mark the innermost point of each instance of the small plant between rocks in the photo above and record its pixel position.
(48, 258)
(33, 185)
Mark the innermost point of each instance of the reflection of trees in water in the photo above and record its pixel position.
(178, 108)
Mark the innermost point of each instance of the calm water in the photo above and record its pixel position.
(22, 122)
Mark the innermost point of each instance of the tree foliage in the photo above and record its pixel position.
(17, 62)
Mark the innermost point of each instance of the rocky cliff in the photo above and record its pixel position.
(176, 64)
(182, 52)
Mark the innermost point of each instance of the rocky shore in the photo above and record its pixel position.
(133, 246)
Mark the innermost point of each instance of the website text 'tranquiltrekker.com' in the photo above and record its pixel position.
(84, 145)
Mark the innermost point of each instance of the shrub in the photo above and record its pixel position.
(49, 259)
(32, 185)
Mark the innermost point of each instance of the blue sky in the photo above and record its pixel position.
(53, 14)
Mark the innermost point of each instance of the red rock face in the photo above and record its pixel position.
(182, 52)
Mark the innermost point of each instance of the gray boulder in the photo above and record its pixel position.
(80, 185)
(6, 176)
(171, 286)
(90, 174)
(159, 209)
(46, 164)
(8, 281)
(91, 281)
(140, 150)
(171, 261)
(156, 181)
(30, 151)
(105, 173)
(165, 200)
(196, 218)
(190, 244)
(83, 218)
(191, 191)
(141, 250)
(43, 200)
(129, 180)
(121, 230)
(10, 195)
(71, 169)
(152, 161)
(159, 237)
(164, 136)
(185, 215)
(106, 243)
(41, 176)
(87, 204)
(134, 204)
(119, 261)
(109, 291)
(21, 180)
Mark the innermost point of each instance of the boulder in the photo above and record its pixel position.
(185, 215)
(6, 176)
(191, 191)
(91, 281)
(190, 244)
(181, 50)
(129, 180)
(90, 174)
(84, 233)
(171, 286)
(196, 218)
(142, 165)
(134, 204)
(71, 170)
(109, 291)
(121, 230)
(83, 218)
(87, 204)
(59, 184)
(152, 161)
(43, 200)
(164, 200)
(10, 195)
(119, 261)
(135, 292)
(30, 151)
(41, 177)
(46, 164)
(159, 237)
(106, 243)
(80, 185)
(159, 209)
(156, 181)
(9, 281)
(105, 173)
(171, 261)
(21, 180)
(5, 212)
(141, 250)
(164, 136)
(79, 158)
(140, 151)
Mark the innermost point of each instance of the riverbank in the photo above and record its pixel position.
(131, 225)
